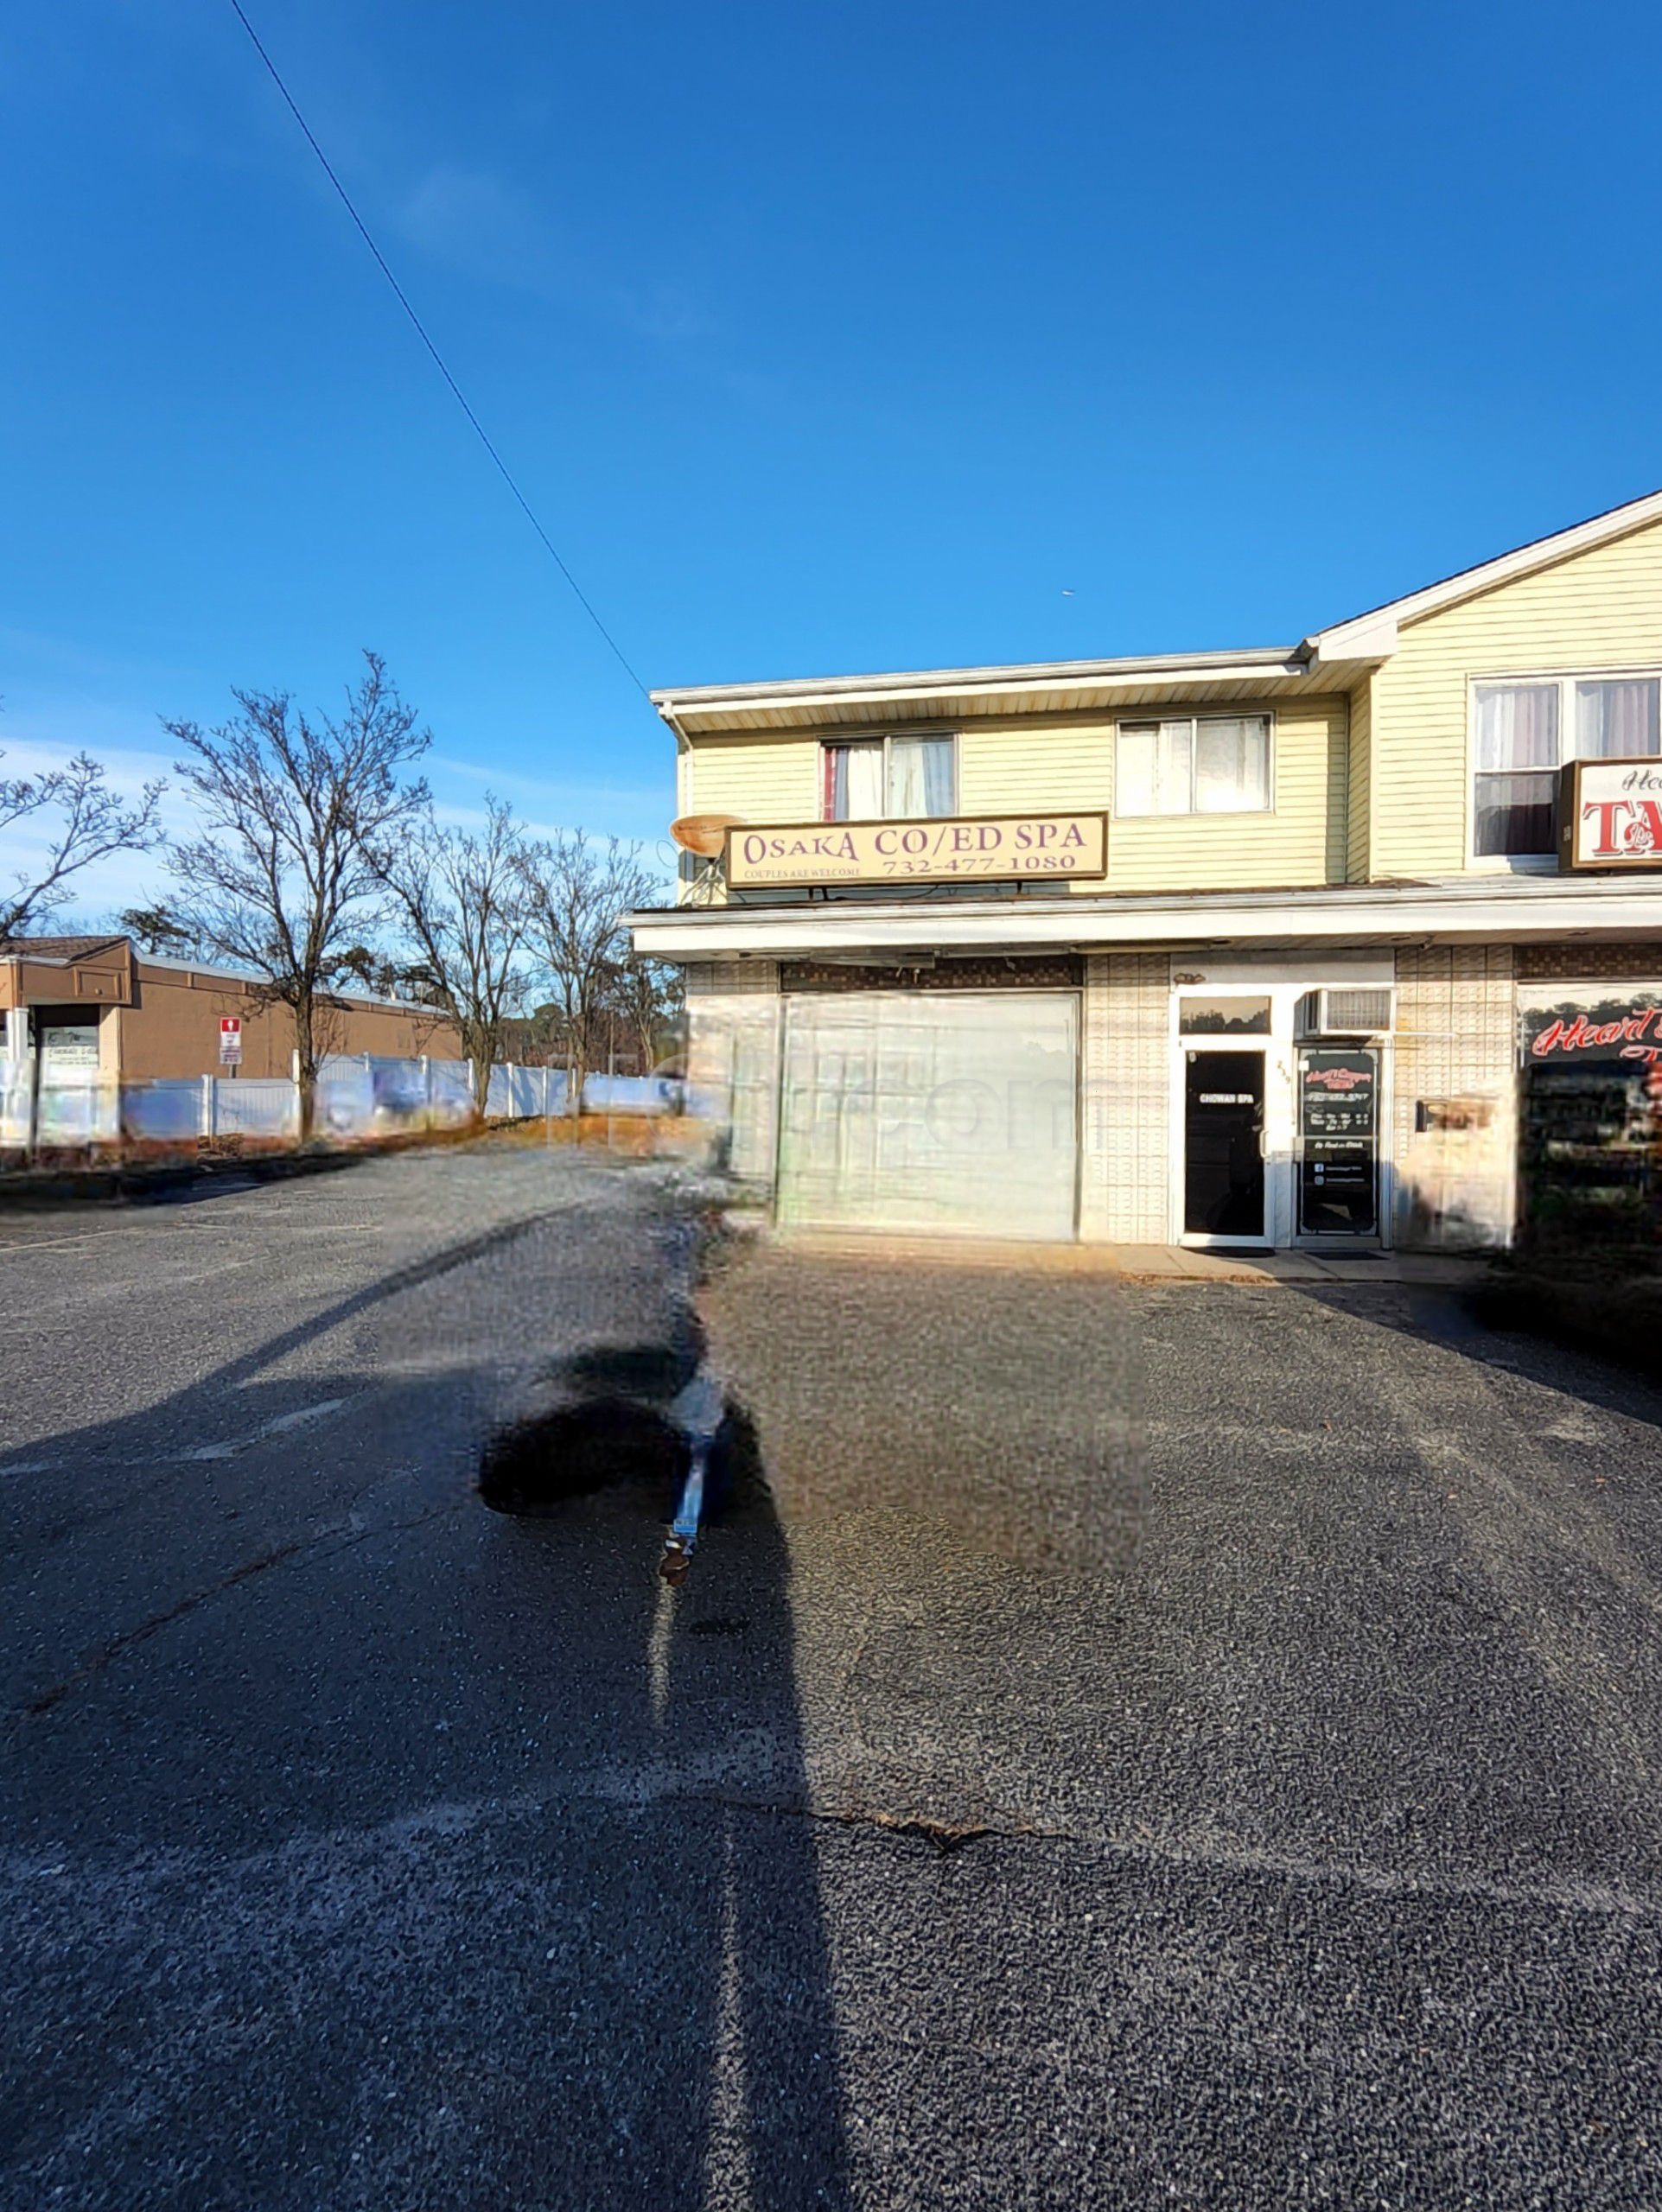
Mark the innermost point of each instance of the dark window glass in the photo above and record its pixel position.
(1515, 814)
(1244, 1017)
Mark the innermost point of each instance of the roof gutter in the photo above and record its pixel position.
(1012, 680)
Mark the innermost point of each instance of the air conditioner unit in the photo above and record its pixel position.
(1345, 1012)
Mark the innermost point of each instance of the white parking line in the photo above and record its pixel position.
(279, 1425)
(58, 1243)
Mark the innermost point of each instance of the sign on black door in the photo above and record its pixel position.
(1338, 1142)
(1223, 1144)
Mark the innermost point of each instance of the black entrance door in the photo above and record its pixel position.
(1223, 1144)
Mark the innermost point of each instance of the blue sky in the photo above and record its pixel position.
(822, 339)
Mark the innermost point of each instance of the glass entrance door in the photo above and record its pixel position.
(1337, 1141)
(1223, 1144)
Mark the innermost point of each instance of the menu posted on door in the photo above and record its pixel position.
(1338, 1124)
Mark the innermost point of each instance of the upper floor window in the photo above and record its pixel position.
(874, 778)
(1526, 732)
(1209, 764)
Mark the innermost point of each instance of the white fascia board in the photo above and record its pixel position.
(1370, 638)
(704, 701)
(1411, 914)
(1345, 640)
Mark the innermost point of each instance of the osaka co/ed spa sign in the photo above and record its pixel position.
(993, 847)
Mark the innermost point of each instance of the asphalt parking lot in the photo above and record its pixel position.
(1192, 1746)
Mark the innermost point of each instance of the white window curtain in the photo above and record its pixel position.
(857, 782)
(1517, 758)
(867, 781)
(1134, 769)
(1174, 767)
(1517, 728)
(1231, 765)
(1154, 768)
(1220, 766)
(1617, 718)
(919, 775)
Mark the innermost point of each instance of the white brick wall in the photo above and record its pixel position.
(1125, 1136)
(1455, 1063)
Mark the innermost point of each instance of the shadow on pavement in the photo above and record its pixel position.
(1448, 1318)
(364, 1846)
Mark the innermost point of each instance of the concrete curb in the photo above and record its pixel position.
(43, 1189)
(1164, 1266)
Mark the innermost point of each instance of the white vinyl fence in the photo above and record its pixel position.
(515, 1094)
(633, 1094)
(259, 1106)
(359, 1095)
(17, 1100)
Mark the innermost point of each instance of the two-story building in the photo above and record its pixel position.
(1299, 944)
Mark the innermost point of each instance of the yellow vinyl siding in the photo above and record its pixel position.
(760, 779)
(1031, 764)
(1357, 824)
(1023, 765)
(1597, 610)
(1301, 842)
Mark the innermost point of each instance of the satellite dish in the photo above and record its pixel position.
(704, 834)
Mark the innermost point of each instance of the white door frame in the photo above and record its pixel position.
(1275, 1164)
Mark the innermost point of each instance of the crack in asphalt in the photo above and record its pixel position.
(1201, 1853)
(1204, 1853)
(945, 1838)
(339, 1537)
(113, 1649)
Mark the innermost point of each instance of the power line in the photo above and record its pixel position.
(439, 362)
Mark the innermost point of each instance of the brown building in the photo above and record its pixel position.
(94, 1005)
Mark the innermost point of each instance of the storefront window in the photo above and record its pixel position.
(1590, 1155)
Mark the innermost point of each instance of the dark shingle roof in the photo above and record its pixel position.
(56, 948)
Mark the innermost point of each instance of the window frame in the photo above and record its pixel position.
(886, 738)
(1566, 679)
(1194, 716)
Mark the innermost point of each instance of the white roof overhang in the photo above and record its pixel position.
(960, 694)
(1509, 910)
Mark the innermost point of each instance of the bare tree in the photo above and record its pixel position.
(650, 996)
(460, 898)
(578, 891)
(281, 880)
(85, 821)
